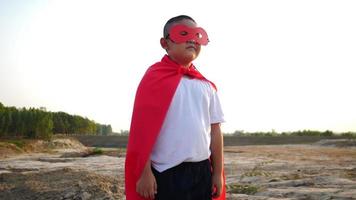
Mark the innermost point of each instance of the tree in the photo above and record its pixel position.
(44, 125)
(39, 123)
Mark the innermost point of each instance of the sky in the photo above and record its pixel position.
(279, 65)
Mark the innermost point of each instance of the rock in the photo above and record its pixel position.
(85, 196)
(69, 195)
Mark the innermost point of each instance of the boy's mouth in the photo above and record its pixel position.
(191, 47)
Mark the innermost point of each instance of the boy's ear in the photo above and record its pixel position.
(164, 44)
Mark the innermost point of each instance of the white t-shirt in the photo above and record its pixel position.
(185, 133)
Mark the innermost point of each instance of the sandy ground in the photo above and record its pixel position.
(291, 172)
(252, 172)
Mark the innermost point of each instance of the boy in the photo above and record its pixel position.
(175, 125)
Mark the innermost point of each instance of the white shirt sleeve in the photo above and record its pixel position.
(216, 113)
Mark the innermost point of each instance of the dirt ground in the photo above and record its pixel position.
(316, 171)
(291, 172)
(65, 183)
(60, 169)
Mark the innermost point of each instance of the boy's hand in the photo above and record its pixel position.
(217, 184)
(146, 185)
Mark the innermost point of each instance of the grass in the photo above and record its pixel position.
(18, 143)
(257, 170)
(9, 147)
(242, 188)
(97, 151)
(256, 173)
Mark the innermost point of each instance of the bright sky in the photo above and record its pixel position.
(278, 64)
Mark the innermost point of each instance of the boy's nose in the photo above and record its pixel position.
(192, 42)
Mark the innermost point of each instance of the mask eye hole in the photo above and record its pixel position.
(183, 33)
(199, 35)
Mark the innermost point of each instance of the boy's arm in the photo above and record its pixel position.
(216, 148)
(146, 185)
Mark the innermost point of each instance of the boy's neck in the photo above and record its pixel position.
(185, 65)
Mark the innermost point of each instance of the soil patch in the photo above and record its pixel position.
(63, 184)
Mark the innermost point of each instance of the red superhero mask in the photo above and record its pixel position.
(181, 33)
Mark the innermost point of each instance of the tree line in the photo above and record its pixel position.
(327, 133)
(39, 123)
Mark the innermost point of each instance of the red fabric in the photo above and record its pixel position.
(181, 33)
(153, 97)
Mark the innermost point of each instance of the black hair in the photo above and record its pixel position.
(169, 23)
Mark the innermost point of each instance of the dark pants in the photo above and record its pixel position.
(187, 181)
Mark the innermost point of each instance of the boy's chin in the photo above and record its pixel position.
(185, 58)
(190, 56)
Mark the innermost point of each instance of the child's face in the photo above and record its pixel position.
(183, 53)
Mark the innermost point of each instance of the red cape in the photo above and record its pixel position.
(153, 98)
